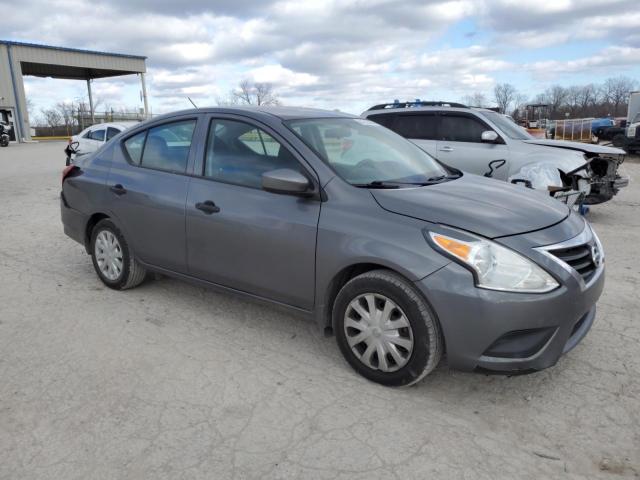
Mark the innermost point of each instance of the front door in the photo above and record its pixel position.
(148, 190)
(461, 146)
(241, 236)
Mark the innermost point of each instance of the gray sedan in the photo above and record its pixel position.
(344, 221)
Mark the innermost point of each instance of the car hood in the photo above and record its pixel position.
(581, 147)
(488, 207)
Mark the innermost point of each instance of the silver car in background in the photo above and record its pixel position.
(485, 142)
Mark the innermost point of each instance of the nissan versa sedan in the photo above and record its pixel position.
(402, 258)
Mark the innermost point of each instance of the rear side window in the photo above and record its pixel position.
(384, 120)
(133, 146)
(422, 126)
(112, 132)
(167, 146)
(458, 128)
(97, 135)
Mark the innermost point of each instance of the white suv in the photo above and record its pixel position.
(485, 142)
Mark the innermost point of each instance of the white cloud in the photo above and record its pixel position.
(609, 60)
(344, 54)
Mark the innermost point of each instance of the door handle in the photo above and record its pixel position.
(208, 207)
(446, 149)
(118, 189)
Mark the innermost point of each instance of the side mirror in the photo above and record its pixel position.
(489, 136)
(286, 181)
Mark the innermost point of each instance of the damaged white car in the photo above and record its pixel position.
(485, 142)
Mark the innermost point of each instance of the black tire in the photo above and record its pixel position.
(132, 273)
(427, 337)
(619, 141)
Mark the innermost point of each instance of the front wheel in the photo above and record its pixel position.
(386, 330)
(113, 261)
(619, 141)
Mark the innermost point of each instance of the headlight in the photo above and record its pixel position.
(631, 131)
(496, 267)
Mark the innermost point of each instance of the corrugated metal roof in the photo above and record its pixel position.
(66, 49)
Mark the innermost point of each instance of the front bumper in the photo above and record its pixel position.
(511, 332)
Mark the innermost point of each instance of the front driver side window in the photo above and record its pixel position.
(112, 132)
(240, 153)
(459, 128)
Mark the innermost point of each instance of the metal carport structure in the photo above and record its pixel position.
(18, 59)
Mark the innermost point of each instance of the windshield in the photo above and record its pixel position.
(363, 152)
(508, 127)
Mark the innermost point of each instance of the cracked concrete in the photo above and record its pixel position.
(170, 381)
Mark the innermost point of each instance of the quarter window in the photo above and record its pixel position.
(458, 128)
(240, 153)
(134, 145)
(167, 146)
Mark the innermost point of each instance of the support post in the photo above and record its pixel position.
(18, 124)
(93, 120)
(144, 96)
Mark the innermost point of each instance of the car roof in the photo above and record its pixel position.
(387, 111)
(258, 112)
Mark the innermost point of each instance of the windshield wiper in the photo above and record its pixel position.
(377, 184)
(440, 178)
(398, 183)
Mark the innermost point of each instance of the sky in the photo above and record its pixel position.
(346, 54)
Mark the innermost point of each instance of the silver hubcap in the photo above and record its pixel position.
(378, 332)
(108, 255)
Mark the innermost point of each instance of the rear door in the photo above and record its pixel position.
(147, 188)
(251, 240)
(460, 145)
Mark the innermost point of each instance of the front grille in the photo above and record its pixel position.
(580, 258)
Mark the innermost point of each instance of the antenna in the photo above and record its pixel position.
(194, 105)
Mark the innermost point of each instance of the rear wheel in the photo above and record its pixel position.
(112, 259)
(386, 330)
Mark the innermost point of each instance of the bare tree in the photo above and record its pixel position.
(616, 91)
(555, 96)
(66, 109)
(588, 98)
(476, 99)
(519, 106)
(51, 117)
(574, 95)
(251, 93)
(504, 94)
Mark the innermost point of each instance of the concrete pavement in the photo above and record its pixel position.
(171, 381)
